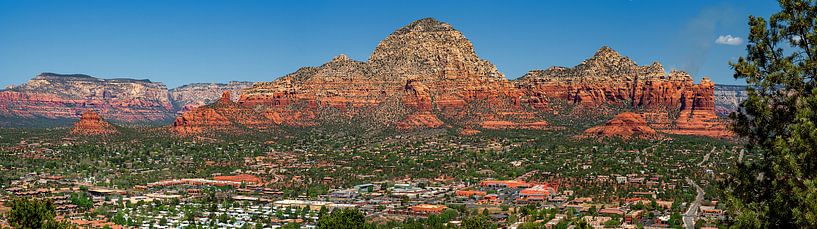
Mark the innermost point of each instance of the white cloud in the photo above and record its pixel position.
(729, 40)
(796, 39)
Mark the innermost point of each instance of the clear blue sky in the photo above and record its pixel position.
(180, 42)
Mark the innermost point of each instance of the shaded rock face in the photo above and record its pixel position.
(90, 123)
(624, 125)
(416, 76)
(199, 94)
(56, 96)
(610, 78)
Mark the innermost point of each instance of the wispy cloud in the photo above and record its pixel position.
(729, 40)
(698, 32)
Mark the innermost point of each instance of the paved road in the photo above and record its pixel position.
(692, 212)
(706, 157)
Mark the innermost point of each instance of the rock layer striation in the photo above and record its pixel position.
(57, 96)
(670, 103)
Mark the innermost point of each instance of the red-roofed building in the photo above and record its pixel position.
(504, 184)
(612, 211)
(428, 208)
(537, 192)
(470, 193)
(246, 178)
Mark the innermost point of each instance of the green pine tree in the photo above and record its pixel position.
(779, 121)
(343, 219)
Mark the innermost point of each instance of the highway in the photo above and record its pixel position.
(692, 212)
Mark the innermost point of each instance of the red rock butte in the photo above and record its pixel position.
(625, 125)
(90, 123)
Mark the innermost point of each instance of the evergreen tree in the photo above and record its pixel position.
(28, 213)
(343, 219)
(477, 222)
(779, 121)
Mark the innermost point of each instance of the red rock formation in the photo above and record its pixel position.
(610, 78)
(701, 118)
(625, 125)
(607, 78)
(56, 96)
(223, 115)
(90, 123)
(417, 98)
(429, 67)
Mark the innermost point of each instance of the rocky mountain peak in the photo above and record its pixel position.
(607, 59)
(606, 51)
(431, 48)
(424, 38)
(424, 25)
(90, 115)
(340, 58)
(679, 75)
(657, 65)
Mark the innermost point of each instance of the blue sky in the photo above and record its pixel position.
(180, 42)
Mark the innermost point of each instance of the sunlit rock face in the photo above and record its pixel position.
(90, 123)
(624, 125)
(416, 77)
(58, 96)
(728, 98)
(195, 95)
(607, 77)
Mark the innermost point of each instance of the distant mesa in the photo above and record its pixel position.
(90, 123)
(66, 96)
(58, 96)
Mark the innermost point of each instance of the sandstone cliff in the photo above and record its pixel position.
(56, 96)
(670, 103)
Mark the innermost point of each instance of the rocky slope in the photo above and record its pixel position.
(90, 123)
(419, 75)
(56, 96)
(670, 103)
(728, 98)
